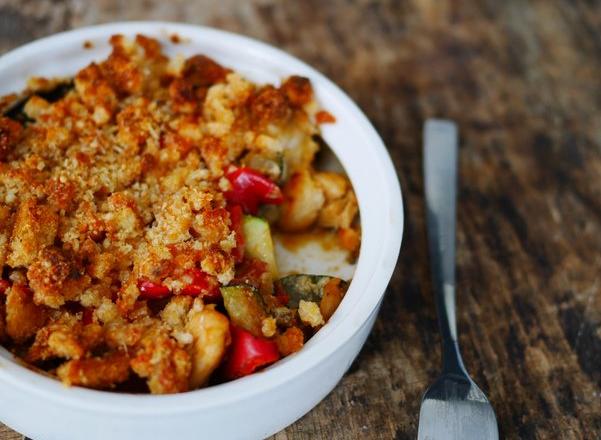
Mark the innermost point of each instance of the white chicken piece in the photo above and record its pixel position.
(334, 185)
(303, 200)
(211, 332)
(339, 213)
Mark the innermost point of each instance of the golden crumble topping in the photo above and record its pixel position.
(127, 196)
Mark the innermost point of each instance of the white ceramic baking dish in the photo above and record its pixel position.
(263, 403)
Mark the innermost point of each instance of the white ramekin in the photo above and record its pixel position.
(261, 404)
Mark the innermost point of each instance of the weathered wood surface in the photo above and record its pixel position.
(523, 80)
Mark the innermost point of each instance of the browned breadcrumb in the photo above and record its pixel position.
(23, 317)
(54, 279)
(298, 91)
(332, 296)
(6, 226)
(67, 338)
(96, 372)
(166, 365)
(290, 341)
(310, 313)
(121, 181)
(35, 227)
(10, 134)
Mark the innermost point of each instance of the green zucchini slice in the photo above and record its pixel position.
(245, 307)
(258, 242)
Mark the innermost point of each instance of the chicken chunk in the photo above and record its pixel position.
(304, 199)
(211, 332)
(334, 185)
(340, 207)
(339, 213)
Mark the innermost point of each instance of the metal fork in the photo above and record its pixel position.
(453, 407)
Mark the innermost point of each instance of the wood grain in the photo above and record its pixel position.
(522, 79)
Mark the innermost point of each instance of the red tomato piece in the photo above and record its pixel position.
(248, 353)
(151, 290)
(202, 284)
(250, 189)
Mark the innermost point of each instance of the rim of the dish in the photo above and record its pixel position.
(346, 322)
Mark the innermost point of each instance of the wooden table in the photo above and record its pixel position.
(523, 81)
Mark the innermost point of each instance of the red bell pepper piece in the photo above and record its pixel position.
(248, 352)
(250, 188)
(202, 285)
(4, 285)
(236, 219)
(151, 290)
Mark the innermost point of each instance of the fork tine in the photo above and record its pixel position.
(457, 420)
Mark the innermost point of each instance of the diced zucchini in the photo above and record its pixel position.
(309, 287)
(258, 242)
(245, 307)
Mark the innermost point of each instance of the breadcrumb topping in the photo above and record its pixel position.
(113, 192)
(309, 313)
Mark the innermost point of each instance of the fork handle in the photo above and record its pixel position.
(440, 175)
